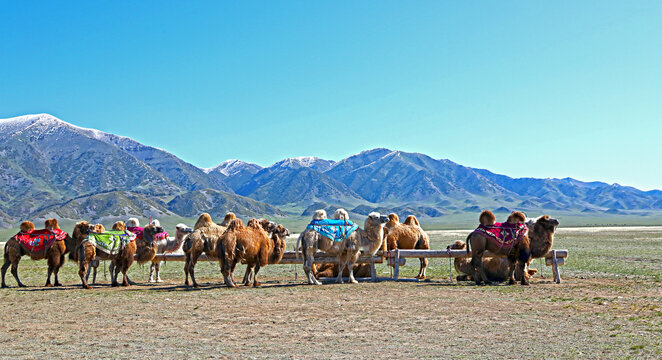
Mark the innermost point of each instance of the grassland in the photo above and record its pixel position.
(608, 306)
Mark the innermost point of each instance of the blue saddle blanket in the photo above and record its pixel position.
(336, 230)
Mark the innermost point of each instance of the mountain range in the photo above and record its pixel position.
(49, 167)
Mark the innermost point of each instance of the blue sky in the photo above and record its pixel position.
(522, 88)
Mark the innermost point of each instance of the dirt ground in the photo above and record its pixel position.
(614, 312)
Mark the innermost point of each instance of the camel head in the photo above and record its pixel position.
(278, 236)
(150, 231)
(82, 228)
(27, 226)
(487, 218)
(119, 226)
(51, 224)
(183, 229)
(156, 222)
(341, 214)
(547, 223)
(268, 226)
(319, 214)
(374, 219)
(458, 245)
(133, 222)
(229, 216)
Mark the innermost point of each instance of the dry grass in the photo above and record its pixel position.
(608, 306)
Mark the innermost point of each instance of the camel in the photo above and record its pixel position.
(346, 249)
(121, 253)
(329, 270)
(515, 246)
(409, 235)
(204, 238)
(541, 236)
(250, 244)
(269, 227)
(496, 268)
(168, 245)
(51, 244)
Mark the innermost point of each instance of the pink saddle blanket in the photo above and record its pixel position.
(139, 233)
(40, 240)
(504, 235)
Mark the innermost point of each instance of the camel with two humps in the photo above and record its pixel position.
(203, 239)
(347, 250)
(251, 245)
(496, 268)
(409, 235)
(54, 254)
(168, 245)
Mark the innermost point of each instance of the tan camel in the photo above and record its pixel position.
(203, 239)
(496, 268)
(409, 235)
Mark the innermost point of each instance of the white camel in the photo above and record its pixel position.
(168, 246)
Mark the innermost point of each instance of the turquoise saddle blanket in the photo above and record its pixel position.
(336, 230)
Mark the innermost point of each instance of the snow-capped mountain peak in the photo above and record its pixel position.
(233, 166)
(305, 161)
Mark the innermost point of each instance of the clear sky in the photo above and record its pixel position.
(522, 88)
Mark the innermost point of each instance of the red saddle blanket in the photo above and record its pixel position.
(139, 233)
(505, 235)
(40, 240)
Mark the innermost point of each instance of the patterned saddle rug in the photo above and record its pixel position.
(139, 233)
(336, 230)
(111, 242)
(505, 235)
(37, 241)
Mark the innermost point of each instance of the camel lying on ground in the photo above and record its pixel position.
(409, 235)
(347, 249)
(52, 245)
(204, 238)
(515, 246)
(496, 268)
(249, 244)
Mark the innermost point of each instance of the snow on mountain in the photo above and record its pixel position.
(312, 162)
(232, 167)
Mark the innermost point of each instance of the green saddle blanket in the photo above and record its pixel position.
(111, 241)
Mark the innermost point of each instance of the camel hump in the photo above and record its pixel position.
(51, 224)
(487, 218)
(516, 216)
(27, 226)
(255, 224)
(393, 217)
(412, 220)
(119, 226)
(236, 224)
(203, 221)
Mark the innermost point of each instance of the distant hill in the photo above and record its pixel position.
(52, 168)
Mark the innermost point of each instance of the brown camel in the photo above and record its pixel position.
(347, 250)
(541, 235)
(250, 244)
(55, 244)
(409, 235)
(204, 238)
(121, 258)
(146, 248)
(496, 268)
(329, 270)
(518, 254)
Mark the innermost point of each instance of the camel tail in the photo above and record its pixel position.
(296, 248)
(468, 242)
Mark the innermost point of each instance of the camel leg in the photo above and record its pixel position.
(186, 268)
(309, 257)
(151, 272)
(192, 271)
(421, 271)
(14, 271)
(479, 271)
(341, 267)
(248, 276)
(350, 267)
(226, 270)
(53, 262)
(255, 282)
(125, 280)
(5, 266)
(57, 270)
(83, 268)
(511, 271)
(157, 266)
(520, 268)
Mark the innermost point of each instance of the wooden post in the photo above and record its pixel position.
(373, 271)
(396, 271)
(555, 261)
